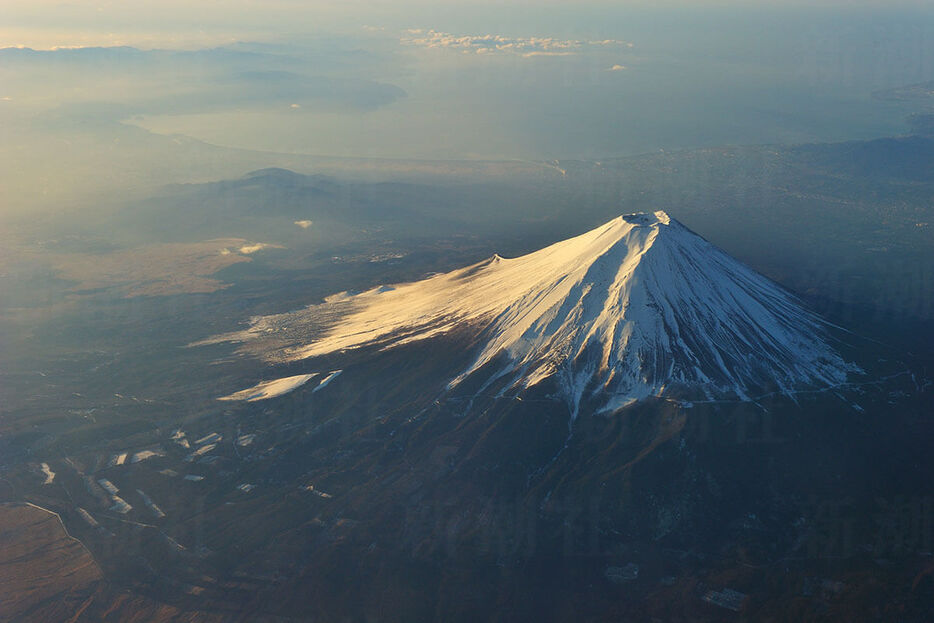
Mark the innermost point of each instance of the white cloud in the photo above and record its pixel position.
(498, 44)
(540, 53)
(303, 224)
(617, 68)
(247, 249)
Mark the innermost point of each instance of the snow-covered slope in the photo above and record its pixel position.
(634, 308)
(271, 389)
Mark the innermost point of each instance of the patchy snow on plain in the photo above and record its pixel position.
(86, 516)
(318, 492)
(330, 377)
(48, 473)
(146, 454)
(120, 505)
(152, 506)
(108, 486)
(200, 451)
(209, 438)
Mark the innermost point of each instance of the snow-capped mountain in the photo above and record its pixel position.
(640, 306)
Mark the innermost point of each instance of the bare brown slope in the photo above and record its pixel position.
(45, 574)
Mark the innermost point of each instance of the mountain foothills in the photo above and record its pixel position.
(638, 307)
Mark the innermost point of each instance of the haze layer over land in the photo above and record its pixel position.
(94, 98)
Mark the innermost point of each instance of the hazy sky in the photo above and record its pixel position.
(47, 23)
(527, 80)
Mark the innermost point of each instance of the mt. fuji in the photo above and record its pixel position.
(640, 306)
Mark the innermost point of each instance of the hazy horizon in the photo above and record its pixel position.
(438, 82)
